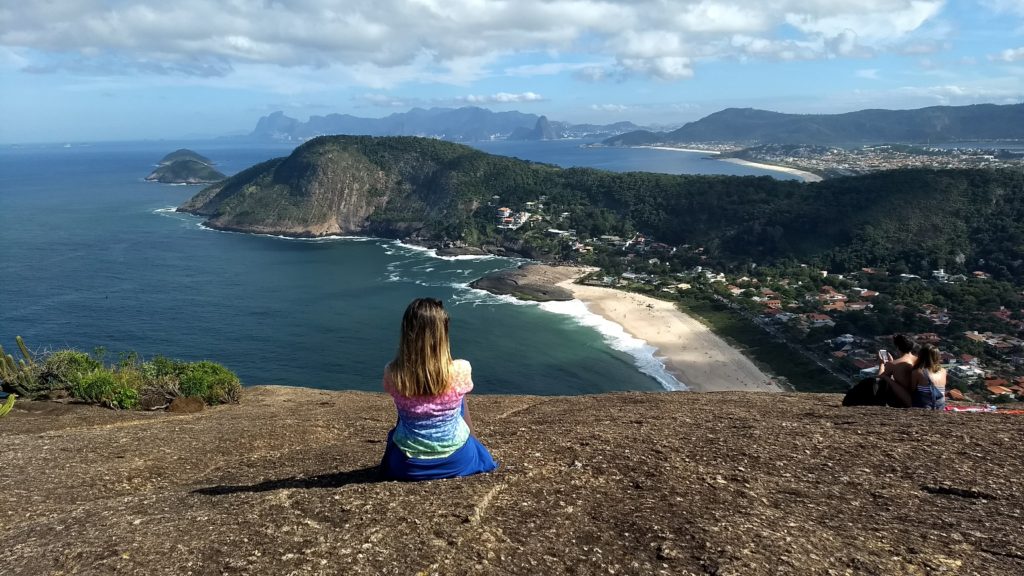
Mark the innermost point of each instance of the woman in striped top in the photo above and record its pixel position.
(929, 379)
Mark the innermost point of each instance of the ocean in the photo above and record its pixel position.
(93, 256)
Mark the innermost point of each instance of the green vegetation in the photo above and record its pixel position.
(128, 384)
(8, 405)
(21, 376)
(185, 154)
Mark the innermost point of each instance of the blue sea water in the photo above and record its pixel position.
(94, 256)
(576, 153)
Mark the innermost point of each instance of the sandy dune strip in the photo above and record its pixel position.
(802, 174)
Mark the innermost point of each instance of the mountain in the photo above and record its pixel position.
(185, 166)
(542, 130)
(400, 186)
(937, 123)
(467, 124)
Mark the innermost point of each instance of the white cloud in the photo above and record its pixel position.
(384, 101)
(867, 73)
(955, 94)
(1010, 55)
(501, 98)
(552, 68)
(609, 107)
(1005, 6)
(381, 43)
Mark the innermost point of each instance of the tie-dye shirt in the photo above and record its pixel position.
(432, 426)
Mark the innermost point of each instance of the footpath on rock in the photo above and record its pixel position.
(633, 483)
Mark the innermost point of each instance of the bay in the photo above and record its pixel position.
(94, 256)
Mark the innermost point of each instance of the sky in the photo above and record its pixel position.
(96, 70)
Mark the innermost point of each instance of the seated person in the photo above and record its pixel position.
(929, 379)
(897, 371)
(432, 437)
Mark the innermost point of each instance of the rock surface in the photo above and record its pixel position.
(658, 483)
(529, 282)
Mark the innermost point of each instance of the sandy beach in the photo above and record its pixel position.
(694, 150)
(806, 176)
(802, 174)
(692, 353)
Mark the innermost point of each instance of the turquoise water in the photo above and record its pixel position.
(92, 256)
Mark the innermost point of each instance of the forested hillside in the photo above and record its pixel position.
(394, 187)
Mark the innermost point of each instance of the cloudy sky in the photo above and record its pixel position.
(91, 70)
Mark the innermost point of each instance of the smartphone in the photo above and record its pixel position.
(884, 356)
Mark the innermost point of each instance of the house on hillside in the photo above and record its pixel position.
(819, 320)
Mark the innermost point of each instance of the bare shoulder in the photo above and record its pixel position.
(462, 376)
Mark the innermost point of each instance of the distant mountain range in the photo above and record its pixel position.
(467, 124)
(933, 124)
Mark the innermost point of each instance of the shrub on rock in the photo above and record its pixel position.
(128, 384)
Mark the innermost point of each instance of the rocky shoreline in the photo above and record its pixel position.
(533, 282)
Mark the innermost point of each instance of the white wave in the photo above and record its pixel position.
(476, 297)
(617, 338)
(167, 210)
(432, 252)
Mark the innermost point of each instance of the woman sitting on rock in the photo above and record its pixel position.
(432, 438)
(929, 379)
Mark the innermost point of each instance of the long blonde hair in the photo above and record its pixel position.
(929, 359)
(423, 363)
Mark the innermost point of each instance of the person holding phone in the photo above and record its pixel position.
(898, 372)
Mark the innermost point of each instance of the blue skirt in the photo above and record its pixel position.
(471, 458)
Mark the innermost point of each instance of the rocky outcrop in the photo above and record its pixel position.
(542, 130)
(536, 282)
(657, 483)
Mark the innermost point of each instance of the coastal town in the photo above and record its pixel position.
(831, 161)
(837, 321)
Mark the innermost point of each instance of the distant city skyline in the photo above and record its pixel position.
(95, 70)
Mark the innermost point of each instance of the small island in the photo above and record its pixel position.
(185, 167)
